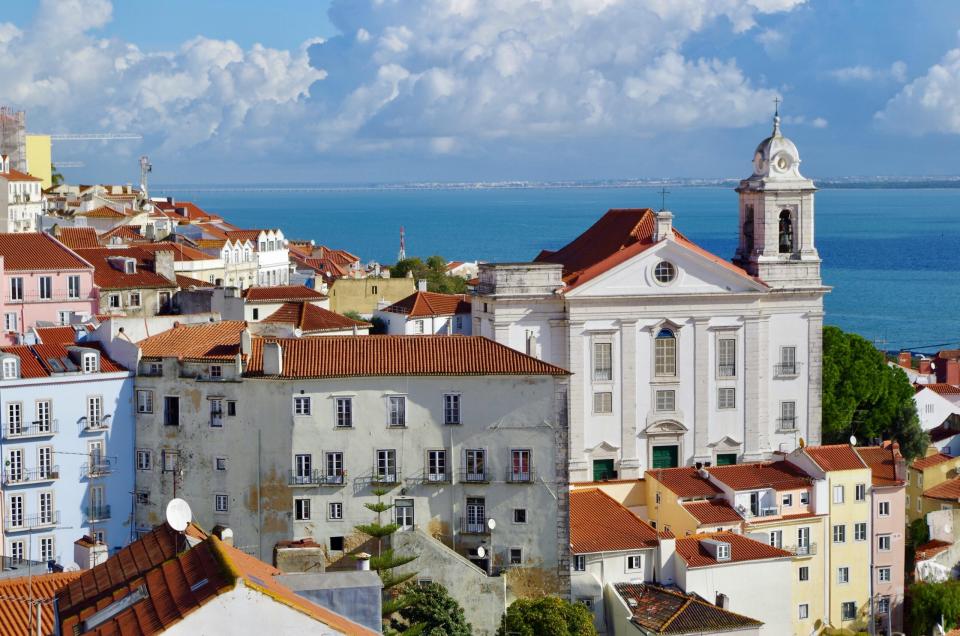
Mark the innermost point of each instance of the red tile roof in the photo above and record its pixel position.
(181, 252)
(185, 282)
(883, 461)
(667, 610)
(931, 549)
(777, 475)
(37, 251)
(930, 460)
(692, 550)
(312, 319)
(942, 388)
(35, 360)
(103, 212)
(19, 617)
(712, 511)
(126, 233)
(367, 356)
(246, 235)
(57, 335)
(617, 236)
(74, 237)
(281, 293)
(684, 482)
(598, 523)
(835, 457)
(424, 304)
(946, 491)
(16, 175)
(106, 276)
(202, 341)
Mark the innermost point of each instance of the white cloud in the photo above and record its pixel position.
(771, 40)
(930, 103)
(802, 120)
(860, 73)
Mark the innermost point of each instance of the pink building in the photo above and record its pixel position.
(888, 520)
(42, 281)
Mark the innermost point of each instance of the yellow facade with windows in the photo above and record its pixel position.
(847, 567)
(39, 158)
(923, 474)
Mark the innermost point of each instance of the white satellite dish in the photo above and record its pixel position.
(491, 524)
(853, 440)
(178, 514)
(481, 552)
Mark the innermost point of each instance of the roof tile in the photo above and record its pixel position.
(424, 304)
(930, 461)
(667, 610)
(742, 548)
(312, 319)
(37, 252)
(777, 475)
(18, 617)
(835, 457)
(202, 341)
(712, 511)
(946, 491)
(883, 462)
(684, 482)
(281, 293)
(598, 523)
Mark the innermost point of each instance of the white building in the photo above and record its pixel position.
(262, 302)
(272, 255)
(425, 312)
(678, 356)
(20, 199)
(937, 403)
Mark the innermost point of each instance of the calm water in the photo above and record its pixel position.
(892, 256)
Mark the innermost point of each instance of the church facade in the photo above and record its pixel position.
(678, 355)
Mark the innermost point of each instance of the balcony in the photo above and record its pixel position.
(431, 478)
(474, 476)
(802, 550)
(527, 476)
(22, 523)
(314, 478)
(474, 525)
(727, 370)
(33, 429)
(95, 424)
(786, 424)
(37, 297)
(37, 475)
(786, 370)
(385, 477)
(97, 513)
(96, 469)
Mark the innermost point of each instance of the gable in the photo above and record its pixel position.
(695, 275)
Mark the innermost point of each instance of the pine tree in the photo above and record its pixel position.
(384, 562)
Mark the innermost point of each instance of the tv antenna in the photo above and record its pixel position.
(663, 198)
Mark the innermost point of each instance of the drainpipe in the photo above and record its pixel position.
(259, 511)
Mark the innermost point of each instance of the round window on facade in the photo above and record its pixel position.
(664, 272)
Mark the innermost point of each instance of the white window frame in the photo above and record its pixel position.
(803, 611)
(73, 287)
(884, 542)
(839, 533)
(221, 503)
(665, 353)
(452, 414)
(579, 563)
(134, 299)
(45, 287)
(603, 402)
(343, 411)
(883, 575)
(838, 494)
(302, 405)
(883, 509)
(665, 400)
(144, 459)
(335, 511)
(301, 509)
(397, 411)
(843, 575)
(603, 361)
(860, 531)
(726, 358)
(860, 493)
(144, 401)
(726, 398)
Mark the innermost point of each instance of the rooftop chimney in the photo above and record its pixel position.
(926, 366)
(224, 534)
(246, 345)
(421, 285)
(904, 359)
(363, 561)
(163, 265)
(272, 358)
(953, 371)
(663, 225)
(88, 553)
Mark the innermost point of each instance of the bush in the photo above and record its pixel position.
(547, 615)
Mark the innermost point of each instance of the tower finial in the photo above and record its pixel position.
(776, 115)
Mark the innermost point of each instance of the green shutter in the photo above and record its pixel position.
(726, 459)
(665, 456)
(603, 469)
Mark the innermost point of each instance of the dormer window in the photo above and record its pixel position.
(130, 266)
(91, 363)
(723, 552)
(11, 369)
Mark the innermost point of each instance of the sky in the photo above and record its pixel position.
(385, 91)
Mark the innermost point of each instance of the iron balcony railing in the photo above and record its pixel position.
(474, 525)
(385, 476)
(477, 476)
(98, 513)
(95, 423)
(516, 476)
(727, 370)
(786, 369)
(56, 296)
(13, 477)
(96, 469)
(315, 478)
(428, 477)
(787, 423)
(38, 428)
(802, 550)
(20, 523)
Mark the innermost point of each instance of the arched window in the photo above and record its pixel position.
(748, 230)
(786, 232)
(665, 353)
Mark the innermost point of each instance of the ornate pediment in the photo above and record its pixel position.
(726, 443)
(604, 447)
(665, 427)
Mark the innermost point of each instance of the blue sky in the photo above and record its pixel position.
(472, 90)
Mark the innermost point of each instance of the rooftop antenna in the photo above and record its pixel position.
(663, 198)
(402, 255)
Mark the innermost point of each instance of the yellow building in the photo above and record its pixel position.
(363, 295)
(925, 474)
(39, 159)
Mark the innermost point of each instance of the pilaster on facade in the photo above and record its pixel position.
(701, 391)
(756, 444)
(814, 377)
(629, 460)
(579, 467)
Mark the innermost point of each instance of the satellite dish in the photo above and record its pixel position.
(481, 552)
(178, 514)
(491, 524)
(71, 567)
(853, 440)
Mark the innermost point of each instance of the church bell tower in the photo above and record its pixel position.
(776, 217)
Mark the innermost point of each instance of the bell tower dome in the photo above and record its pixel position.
(776, 217)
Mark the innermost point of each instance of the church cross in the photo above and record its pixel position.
(776, 105)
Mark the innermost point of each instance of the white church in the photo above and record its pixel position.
(678, 355)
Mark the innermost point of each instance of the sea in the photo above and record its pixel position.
(890, 254)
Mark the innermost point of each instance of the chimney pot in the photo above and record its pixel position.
(905, 359)
(663, 225)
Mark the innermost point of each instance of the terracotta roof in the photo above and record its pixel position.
(777, 475)
(246, 235)
(712, 511)
(942, 388)
(835, 457)
(667, 610)
(106, 276)
(759, 521)
(364, 356)
(946, 491)
(16, 175)
(202, 341)
(617, 236)
(598, 523)
(692, 550)
(280, 293)
(103, 212)
(36, 360)
(424, 304)
(883, 461)
(312, 319)
(59, 335)
(930, 460)
(181, 252)
(931, 549)
(36, 251)
(185, 282)
(19, 617)
(74, 237)
(684, 482)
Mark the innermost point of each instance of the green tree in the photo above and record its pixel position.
(384, 562)
(55, 177)
(434, 271)
(547, 615)
(932, 602)
(436, 611)
(865, 397)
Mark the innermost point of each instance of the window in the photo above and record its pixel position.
(386, 466)
(788, 361)
(516, 556)
(919, 480)
(133, 299)
(665, 353)
(437, 465)
(220, 463)
(840, 533)
(475, 465)
(302, 468)
(73, 287)
(301, 405)
(94, 411)
(804, 611)
(335, 510)
(171, 461)
(804, 573)
(776, 538)
(16, 288)
(919, 502)
(848, 611)
(336, 543)
(519, 515)
(14, 419)
(45, 462)
(15, 514)
(114, 301)
(666, 400)
(231, 408)
(17, 550)
(883, 575)
(860, 532)
(787, 500)
(861, 492)
(723, 550)
(727, 357)
(726, 398)
(216, 413)
(451, 408)
(884, 509)
(786, 232)
(216, 371)
(664, 272)
(14, 472)
(9, 369)
(603, 361)
(418, 327)
(843, 575)
(64, 317)
(579, 563)
(520, 468)
(788, 415)
(335, 466)
(256, 313)
(46, 548)
(46, 287)
(301, 509)
(344, 412)
(144, 401)
(838, 494)
(222, 503)
(883, 543)
(805, 498)
(396, 410)
(10, 321)
(90, 363)
(603, 402)
(883, 605)
(143, 459)
(43, 421)
(171, 410)
(46, 505)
